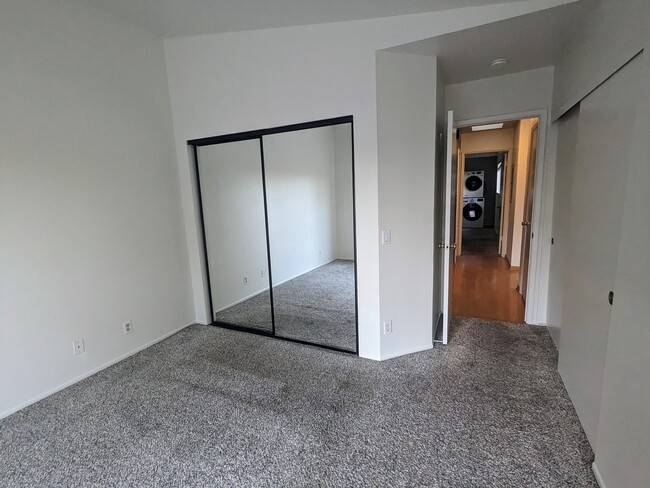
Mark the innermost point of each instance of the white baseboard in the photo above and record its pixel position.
(93, 371)
(412, 350)
(599, 478)
(221, 309)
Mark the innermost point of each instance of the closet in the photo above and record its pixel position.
(277, 215)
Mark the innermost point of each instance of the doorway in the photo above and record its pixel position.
(494, 203)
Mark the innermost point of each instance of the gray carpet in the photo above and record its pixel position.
(317, 307)
(254, 312)
(213, 407)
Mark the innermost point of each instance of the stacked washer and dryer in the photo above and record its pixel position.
(473, 200)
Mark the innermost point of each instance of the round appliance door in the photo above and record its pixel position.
(472, 212)
(473, 183)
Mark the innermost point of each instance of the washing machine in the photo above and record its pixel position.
(473, 212)
(474, 184)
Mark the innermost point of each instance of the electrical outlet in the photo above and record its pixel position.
(127, 327)
(262, 273)
(245, 280)
(78, 347)
(386, 237)
(388, 327)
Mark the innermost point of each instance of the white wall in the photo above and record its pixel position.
(90, 217)
(406, 121)
(610, 33)
(301, 200)
(232, 194)
(240, 81)
(604, 134)
(525, 92)
(567, 134)
(344, 195)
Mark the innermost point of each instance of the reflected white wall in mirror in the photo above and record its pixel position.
(300, 193)
(235, 230)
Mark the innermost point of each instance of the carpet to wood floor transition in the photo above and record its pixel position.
(213, 407)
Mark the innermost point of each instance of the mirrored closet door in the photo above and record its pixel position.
(309, 197)
(232, 198)
(278, 218)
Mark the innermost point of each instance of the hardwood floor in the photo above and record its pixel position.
(486, 287)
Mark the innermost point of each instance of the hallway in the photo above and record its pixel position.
(486, 287)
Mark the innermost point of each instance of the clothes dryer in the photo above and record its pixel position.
(474, 184)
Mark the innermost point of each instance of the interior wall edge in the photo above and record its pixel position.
(406, 115)
(187, 161)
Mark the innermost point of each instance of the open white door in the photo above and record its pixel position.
(448, 245)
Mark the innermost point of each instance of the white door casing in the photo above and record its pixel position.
(449, 230)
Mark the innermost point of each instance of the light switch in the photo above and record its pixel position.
(385, 237)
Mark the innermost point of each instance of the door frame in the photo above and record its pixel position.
(459, 196)
(525, 269)
(540, 247)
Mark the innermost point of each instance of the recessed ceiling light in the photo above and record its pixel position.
(496, 63)
(478, 128)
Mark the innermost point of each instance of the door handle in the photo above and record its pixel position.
(452, 246)
(525, 222)
(441, 246)
(610, 298)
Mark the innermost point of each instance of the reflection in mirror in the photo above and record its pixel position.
(311, 234)
(232, 195)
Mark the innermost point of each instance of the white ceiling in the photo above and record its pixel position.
(177, 18)
(528, 42)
